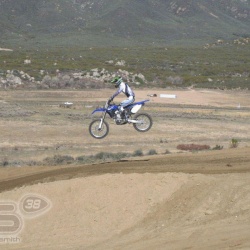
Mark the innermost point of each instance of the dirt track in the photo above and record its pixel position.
(220, 162)
(181, 201)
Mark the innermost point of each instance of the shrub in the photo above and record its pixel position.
(163, 141)
(177, 80)
(108, 155)
(81, 158)
(5, 162)
(138, 152)
(234, 143)
(152, 152)
(101, 155)
(104, 156)
(30, 163)
(138, 79)
(59, 159)
(217, 147)
(192, 147)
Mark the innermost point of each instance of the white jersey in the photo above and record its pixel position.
(123, 87)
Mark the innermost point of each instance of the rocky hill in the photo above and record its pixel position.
(115, 22)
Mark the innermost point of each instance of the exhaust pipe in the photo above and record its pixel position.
(134, 121)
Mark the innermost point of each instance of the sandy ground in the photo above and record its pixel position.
(213, 98)
(187, 201)
(33, 126)
(175, 201)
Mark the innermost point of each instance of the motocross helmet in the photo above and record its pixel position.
(117, 81)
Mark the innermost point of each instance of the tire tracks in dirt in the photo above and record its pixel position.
(204, 207)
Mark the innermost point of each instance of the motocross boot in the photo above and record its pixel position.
(124, 113)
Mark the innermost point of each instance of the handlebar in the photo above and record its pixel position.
(107, 103)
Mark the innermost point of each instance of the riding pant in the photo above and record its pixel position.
(128, 101)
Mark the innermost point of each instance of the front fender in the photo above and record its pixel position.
(99, 110)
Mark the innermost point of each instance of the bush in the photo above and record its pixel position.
(81, 158)
(59, 159)
(192, 147)
(152, 152)
(234, 143)
(102, 156)
(5, 162)
(138, 152)
(107, 155)
(217, 147)
(163, 141)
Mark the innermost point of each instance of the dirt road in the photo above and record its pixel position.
(178, 201)
(216, 162)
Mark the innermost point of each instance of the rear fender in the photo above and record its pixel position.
(136, 108)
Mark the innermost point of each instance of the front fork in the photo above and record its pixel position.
(102, 119)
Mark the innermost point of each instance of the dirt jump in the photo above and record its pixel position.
(185, 201)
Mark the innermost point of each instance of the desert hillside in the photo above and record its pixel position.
(116, 23)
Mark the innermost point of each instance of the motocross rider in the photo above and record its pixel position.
(122, 87)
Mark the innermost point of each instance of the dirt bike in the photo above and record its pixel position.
(142, 122)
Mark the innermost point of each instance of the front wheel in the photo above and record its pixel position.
(144, 122)
(98, 130)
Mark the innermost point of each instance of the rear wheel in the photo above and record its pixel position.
(96, 132)
(144, 124)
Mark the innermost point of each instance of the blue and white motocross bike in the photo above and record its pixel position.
(142, 122)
